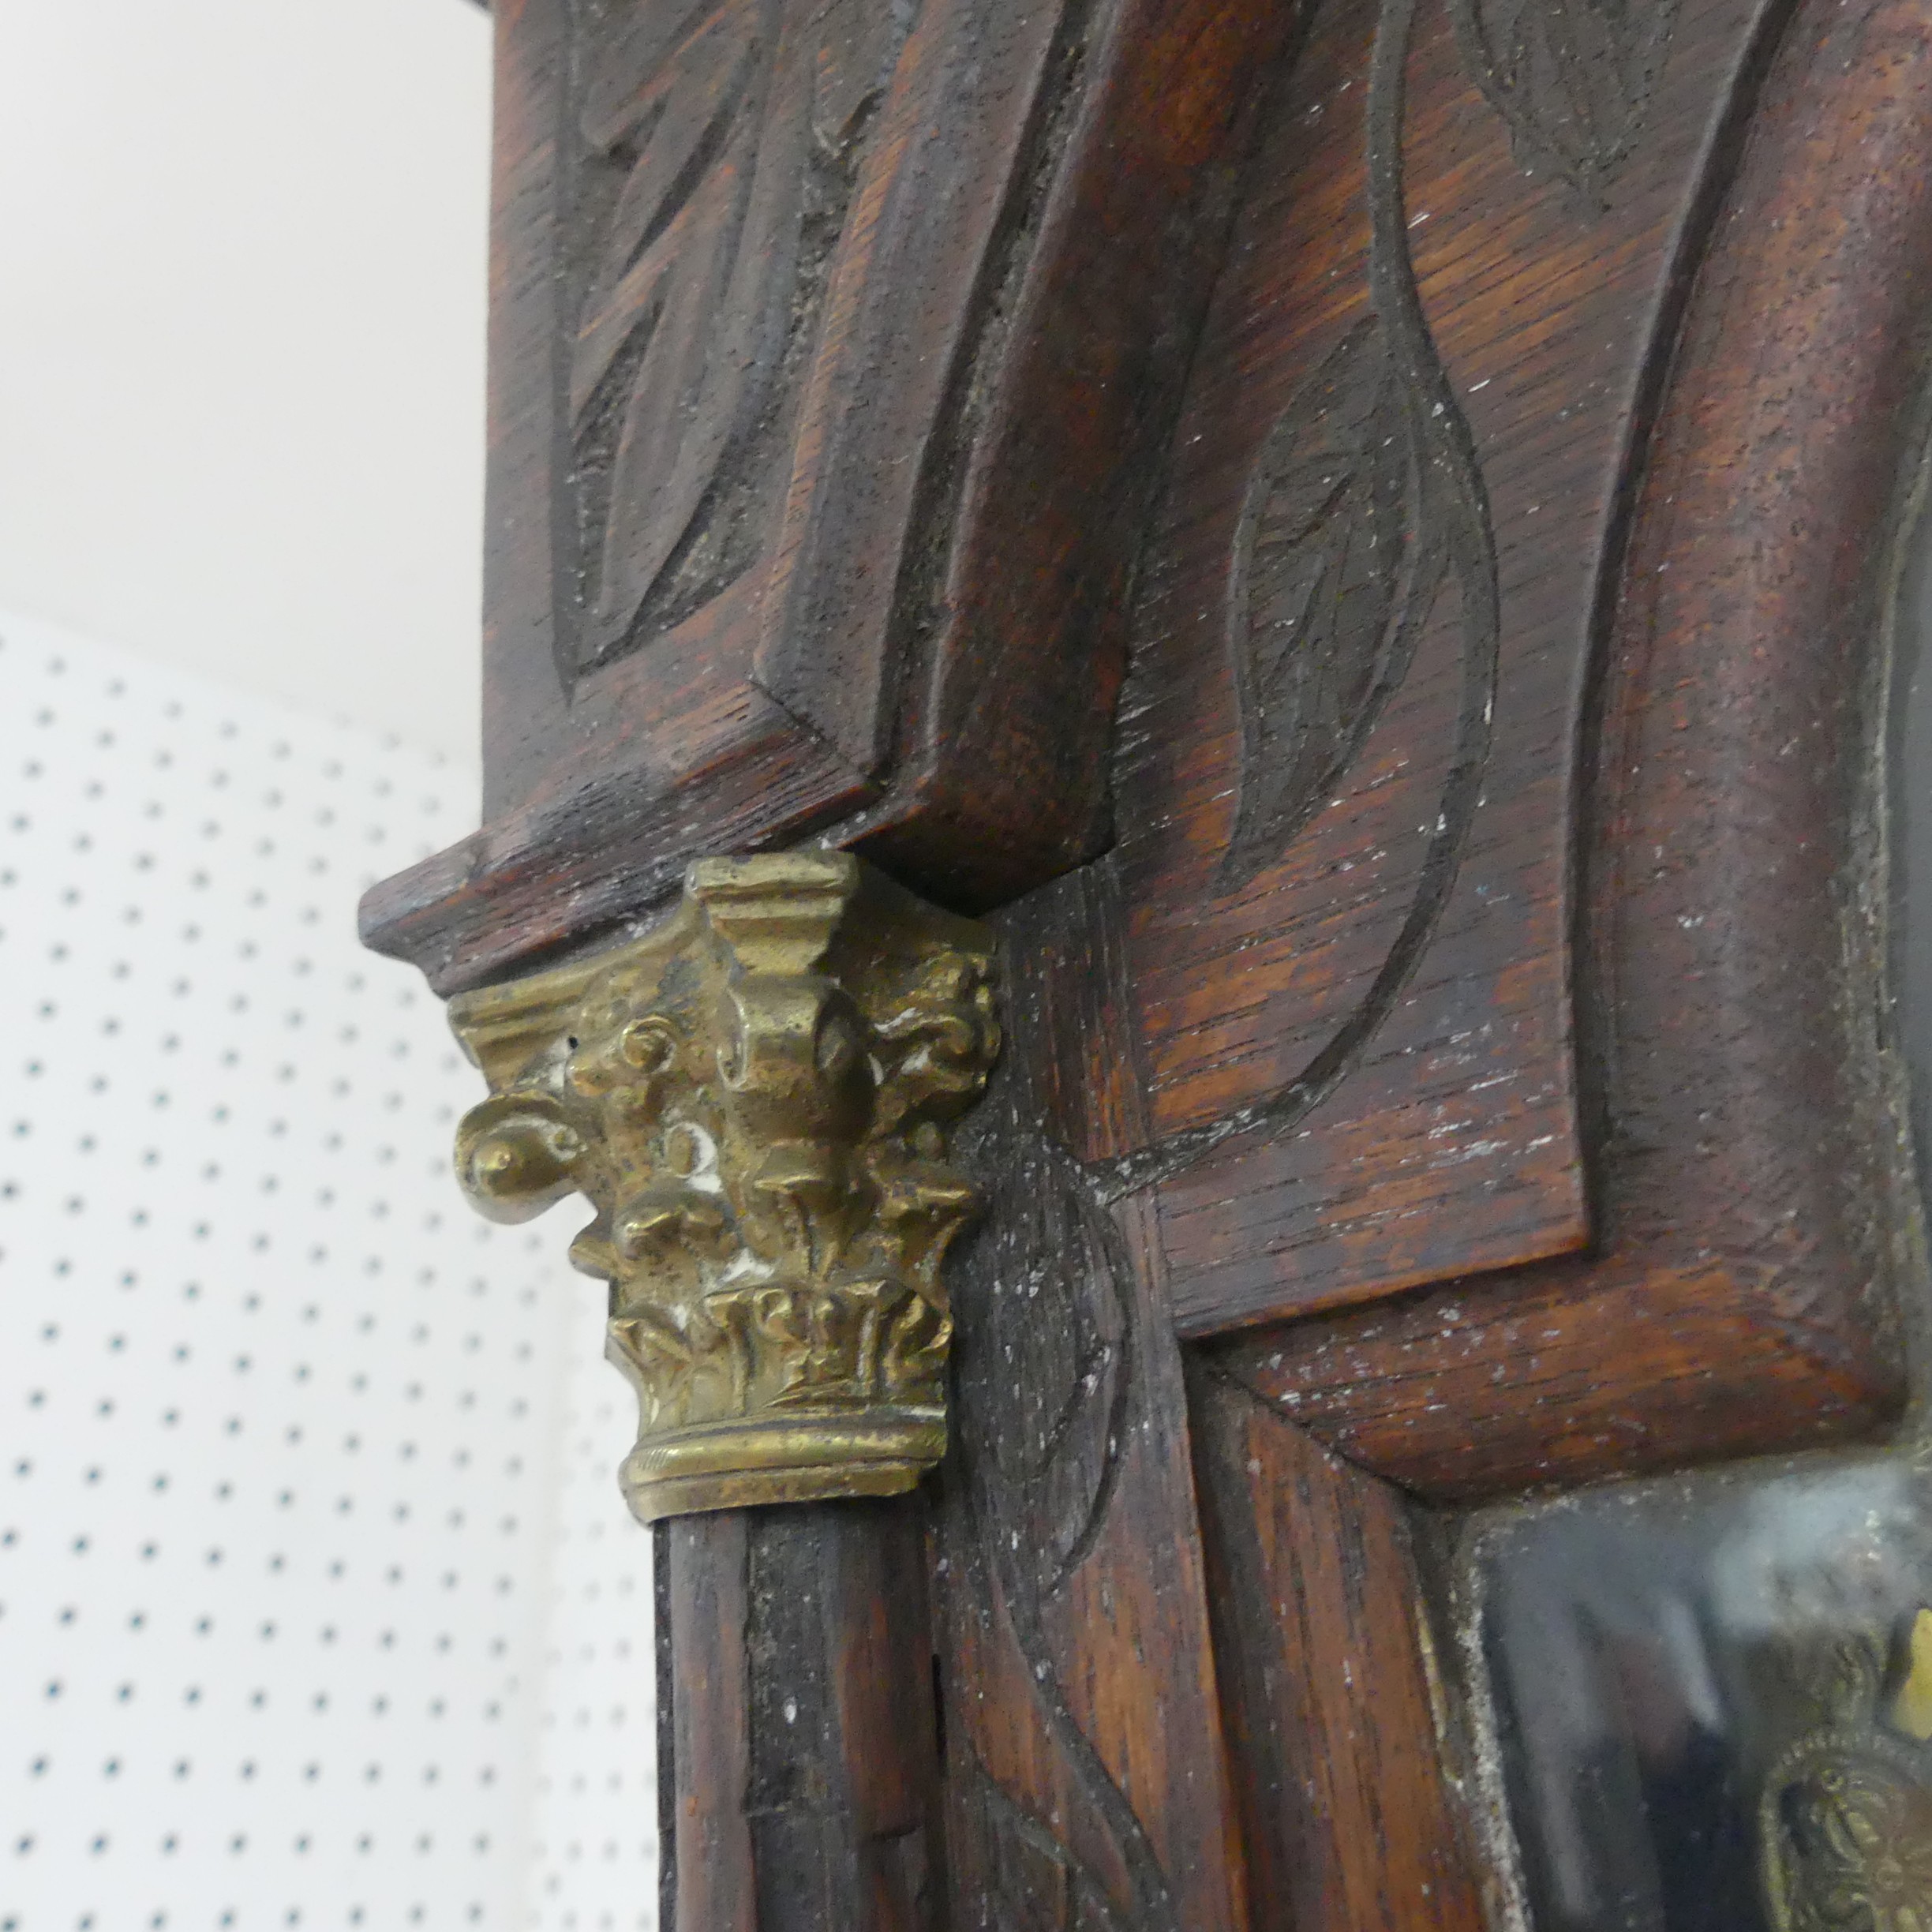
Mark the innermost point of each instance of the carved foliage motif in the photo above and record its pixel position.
(1052, 1395)
(757, 1099)
(1572, 78)
(1845, 1824)
(1034, 1883)
(1367, 505)
(718, 146)
(1320, 632)
(1366, 498)
(1050, 1375)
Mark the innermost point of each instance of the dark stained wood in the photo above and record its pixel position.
(1335, 1712)
(1751, 1193)
(806, 1763)
(829, 388)
(1466, 1069)
(1082, 366)
(1088, 1784)
(715, 1872)
(671, 1712)
(1350, 744)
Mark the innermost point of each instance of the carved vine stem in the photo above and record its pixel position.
(1443, 507)
(1050, 1391)
(756, 1096)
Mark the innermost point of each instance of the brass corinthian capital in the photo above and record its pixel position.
(756, 1097)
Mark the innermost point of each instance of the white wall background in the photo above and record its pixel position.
(242, 284)
(318, 1606)
(318, 1603)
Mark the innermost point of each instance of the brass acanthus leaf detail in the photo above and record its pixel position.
(757, 1097)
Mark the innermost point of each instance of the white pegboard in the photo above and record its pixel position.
(596, 1820)
(283, 1458)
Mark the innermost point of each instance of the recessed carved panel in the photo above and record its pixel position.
(829, 392)
(717, 149)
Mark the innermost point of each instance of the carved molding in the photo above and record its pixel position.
(756, 1096)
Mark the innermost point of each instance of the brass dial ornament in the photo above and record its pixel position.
(756, 1097)
(1845, 1818)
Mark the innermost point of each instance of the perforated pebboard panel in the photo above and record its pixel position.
(282, 1449)
(596, 1844)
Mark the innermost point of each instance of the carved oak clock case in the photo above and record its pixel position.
(1192, 741)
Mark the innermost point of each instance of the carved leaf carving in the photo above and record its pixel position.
(1322, 624)
(732, 127)
(1046, 1383)
(1571, 77)
(1047, 1400)
(1367, 500)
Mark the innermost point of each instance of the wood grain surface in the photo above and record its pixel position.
(829, 388)
(1349, 1795)
(1746, 1124)
(1087, 1780)
(1349, 746)
(806, 1764)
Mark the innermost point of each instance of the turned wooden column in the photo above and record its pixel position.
(804, 1768)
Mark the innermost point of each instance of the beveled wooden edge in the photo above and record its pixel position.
(534, 886)
(1751, 1168)
(1035, 461)
(1027, 614)
(1356, 1801)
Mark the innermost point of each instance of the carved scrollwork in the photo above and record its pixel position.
(756, 1097)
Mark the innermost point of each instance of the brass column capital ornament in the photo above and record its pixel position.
(756, 1097)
